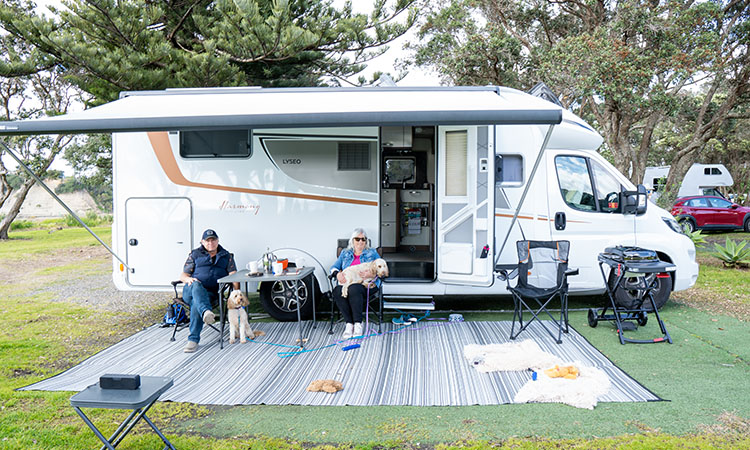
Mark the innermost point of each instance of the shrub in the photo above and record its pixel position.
(91, 219)
(695, 236)
(21, 225)
(733, 254)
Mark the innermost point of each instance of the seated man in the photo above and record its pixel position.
(205, 265)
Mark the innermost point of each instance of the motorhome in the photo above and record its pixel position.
(700, 179)
(443, 180)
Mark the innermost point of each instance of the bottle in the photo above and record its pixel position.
(267, 261)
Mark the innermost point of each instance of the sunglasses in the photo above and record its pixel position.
(360, 239)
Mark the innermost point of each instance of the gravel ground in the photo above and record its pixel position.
(90, 286)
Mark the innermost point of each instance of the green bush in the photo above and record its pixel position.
(733, 254)
(21, 225)
(695, 236)
(91, 219)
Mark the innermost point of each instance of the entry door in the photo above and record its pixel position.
(158, 238)
(465, 205)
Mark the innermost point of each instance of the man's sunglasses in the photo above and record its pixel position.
(359, 239)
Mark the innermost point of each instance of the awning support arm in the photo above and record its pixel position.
(62, 203)
(525, 190)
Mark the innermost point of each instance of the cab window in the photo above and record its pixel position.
(587, 185)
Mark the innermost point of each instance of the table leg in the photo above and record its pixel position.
(299, 315)
(96, 431)
(221, 316)
(312, 283)
(156, 430)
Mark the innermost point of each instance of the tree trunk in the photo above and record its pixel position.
(5, 188)
(15, 208)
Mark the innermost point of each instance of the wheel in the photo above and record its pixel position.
(642, 318)
(627, 296)
(593, 320)
(746, 227)
(688, 225)
(278, 299)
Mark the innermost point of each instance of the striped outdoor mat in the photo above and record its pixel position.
(419, 366)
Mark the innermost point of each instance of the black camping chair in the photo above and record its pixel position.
(375, 297)
(177, 300)
(542, 276)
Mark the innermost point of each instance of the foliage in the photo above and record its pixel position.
(21, 225)
(107, 46)
(91, 219)
(698, 239)
(733, 254)
(628, 65)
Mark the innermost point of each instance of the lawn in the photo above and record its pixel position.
(704, 376)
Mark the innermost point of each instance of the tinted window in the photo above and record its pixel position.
(698, 203)
(215, 144)
(720, 203)
(575, 183)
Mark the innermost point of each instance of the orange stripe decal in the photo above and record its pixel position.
(163, 150)
(542, 218)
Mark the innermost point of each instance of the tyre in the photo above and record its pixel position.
(688, 225)
(642, 318)
(593, 321)
(626, 296)
(746, 227)
(278, 299)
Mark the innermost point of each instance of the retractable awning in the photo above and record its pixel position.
(227, 108)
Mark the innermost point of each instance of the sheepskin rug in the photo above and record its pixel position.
(582, 392)
(520, 355)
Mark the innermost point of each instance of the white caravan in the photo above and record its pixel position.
(700, 179)
(434, 175)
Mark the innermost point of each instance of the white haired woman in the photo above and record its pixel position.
(352, 307)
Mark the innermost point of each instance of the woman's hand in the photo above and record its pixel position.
(341, 277)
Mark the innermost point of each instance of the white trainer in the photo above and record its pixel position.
(358, 329)
(209, 317)
(191, 347)
(348, 331)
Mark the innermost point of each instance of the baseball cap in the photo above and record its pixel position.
(209, 234)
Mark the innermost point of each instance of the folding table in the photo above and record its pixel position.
(139, 400)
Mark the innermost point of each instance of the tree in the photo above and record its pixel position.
(27, 96)
(108, 46)
(92, 163)
(627, 65)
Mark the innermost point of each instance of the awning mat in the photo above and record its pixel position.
(419, 366)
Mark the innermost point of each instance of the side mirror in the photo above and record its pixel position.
(635, 202)
(734, 206)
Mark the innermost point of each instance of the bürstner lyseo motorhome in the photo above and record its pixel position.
(434, 175)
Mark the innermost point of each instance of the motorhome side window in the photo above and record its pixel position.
(215, 144)
(577, 177)
(338, 162)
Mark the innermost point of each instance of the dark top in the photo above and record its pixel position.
(208, 270)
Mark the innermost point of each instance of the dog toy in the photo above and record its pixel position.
(329, 386)
(568, 372)
(350, 347)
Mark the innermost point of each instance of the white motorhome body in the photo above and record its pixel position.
(700, 179)
(434, 176)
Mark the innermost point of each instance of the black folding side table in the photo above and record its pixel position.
(139, 400)
(640, 271)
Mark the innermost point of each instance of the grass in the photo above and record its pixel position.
(704, 375)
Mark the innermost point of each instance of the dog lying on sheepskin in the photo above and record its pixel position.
(521, 355)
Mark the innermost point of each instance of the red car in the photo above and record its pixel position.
(707, 212)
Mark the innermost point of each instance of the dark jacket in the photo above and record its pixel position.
(208, 270)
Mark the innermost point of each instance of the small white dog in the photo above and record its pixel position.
(363, 274)
(239, 327)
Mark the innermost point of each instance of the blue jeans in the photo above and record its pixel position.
(199, 299)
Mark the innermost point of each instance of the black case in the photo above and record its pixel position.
(119, 381)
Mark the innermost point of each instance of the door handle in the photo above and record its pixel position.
(133, 242)
(559, 220)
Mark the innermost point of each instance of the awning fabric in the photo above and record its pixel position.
(227, 108)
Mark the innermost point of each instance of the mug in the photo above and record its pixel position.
(253, 266)
(277, 267)
(299, 262)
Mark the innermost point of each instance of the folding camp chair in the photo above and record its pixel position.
(177, 300)
(542, 276)
(375, 297)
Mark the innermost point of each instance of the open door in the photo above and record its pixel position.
(465, 205)
(158, 239)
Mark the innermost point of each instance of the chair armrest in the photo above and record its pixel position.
(506, 275)
(571, 272)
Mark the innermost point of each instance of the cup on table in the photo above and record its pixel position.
(277, 268)
(253, 267)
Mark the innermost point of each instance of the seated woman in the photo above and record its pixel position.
(352, 307)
